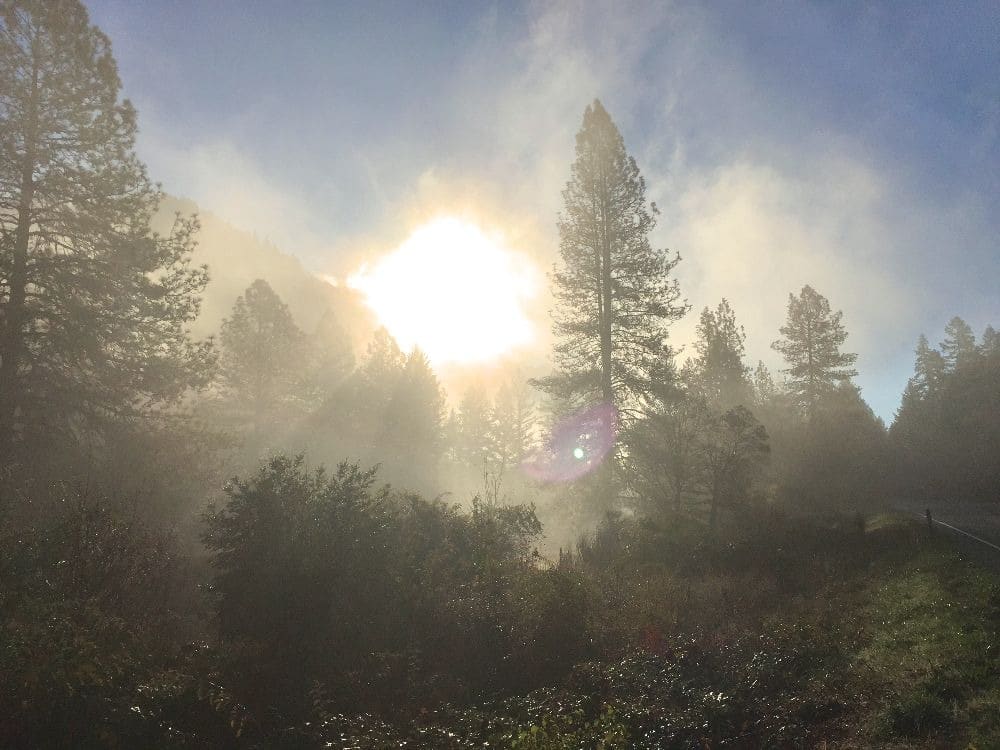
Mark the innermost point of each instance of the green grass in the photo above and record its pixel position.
(930, 652)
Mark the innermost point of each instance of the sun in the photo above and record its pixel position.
(454, 290)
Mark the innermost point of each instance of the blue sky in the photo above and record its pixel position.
(851, 146)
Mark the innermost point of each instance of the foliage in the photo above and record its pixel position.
(94, 307)
(327, 610)
(946, 434)
(734, 446)
(720, 374)
(411, 442)
(263, 358)
(513, 423)
(92, 631)
(614, 295)
(813, 335)
(663, 452)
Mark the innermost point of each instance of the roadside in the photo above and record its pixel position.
(930, 649)
(974, 528)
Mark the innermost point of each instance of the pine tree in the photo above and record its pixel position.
(93, 307)
(813, 335)
(383, 363)
(764, 389)
(262, 366)
(959, 345)
(513, 423)
(732, 447)
(332, 356)
(474, 438)
(412, 439)
(721, 374)
(929, 370)
(615, 298)
(990, 344)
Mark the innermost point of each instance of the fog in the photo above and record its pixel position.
(531, 375)
(778, 182)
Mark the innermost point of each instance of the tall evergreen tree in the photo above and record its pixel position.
(474, 438)
(93, 307)
(813, 335)
(513, 423)
(615, 297)
(262, 354)
(380, 371)
(412, 438)
(764, 389)
(990, 344)
(929, 370)
(721, 373)
(959, 345)
(947, 431)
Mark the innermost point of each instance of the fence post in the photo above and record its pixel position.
(930, 521)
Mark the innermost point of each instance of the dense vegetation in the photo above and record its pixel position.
(657, 554)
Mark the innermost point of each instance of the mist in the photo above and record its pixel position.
(532, 376)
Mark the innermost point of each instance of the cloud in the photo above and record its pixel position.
(758, 195)
(762, 187)
(228, 182)
(753, 234)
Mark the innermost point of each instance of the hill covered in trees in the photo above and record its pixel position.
(237, 258)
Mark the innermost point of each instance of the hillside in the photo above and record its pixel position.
(235, 258)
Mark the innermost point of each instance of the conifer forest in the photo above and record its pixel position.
(561, 375)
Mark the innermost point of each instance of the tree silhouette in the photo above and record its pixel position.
(93, 306)
(947, 431)
(513, 420)
(722, 375)
(412, 438)
(959, 346)
(813, 335)
(474, 423)
(262, 355)
(663, 452)
(929, 370)
(331, 355)
(614, 294)
(732, 448)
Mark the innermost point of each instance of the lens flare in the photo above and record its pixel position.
(578, 445)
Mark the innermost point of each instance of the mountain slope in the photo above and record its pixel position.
(235, 258)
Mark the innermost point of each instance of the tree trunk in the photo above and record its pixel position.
(15, 313)
(607, 385)
(713, 515)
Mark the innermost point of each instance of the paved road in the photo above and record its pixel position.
(974, 526)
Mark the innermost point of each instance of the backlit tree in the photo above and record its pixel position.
(94, 307)
(615, 297)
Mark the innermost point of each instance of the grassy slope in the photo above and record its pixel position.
(930, 652)
(883, 641)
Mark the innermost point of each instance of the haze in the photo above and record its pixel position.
(528, 375)
(852, 147)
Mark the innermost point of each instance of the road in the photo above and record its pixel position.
(974, 526)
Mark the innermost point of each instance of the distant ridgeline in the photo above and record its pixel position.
(235, 258)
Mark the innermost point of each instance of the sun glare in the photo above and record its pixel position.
(453, 290)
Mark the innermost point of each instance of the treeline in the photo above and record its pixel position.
(148, 600)
(947, 431)
(275, 388)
